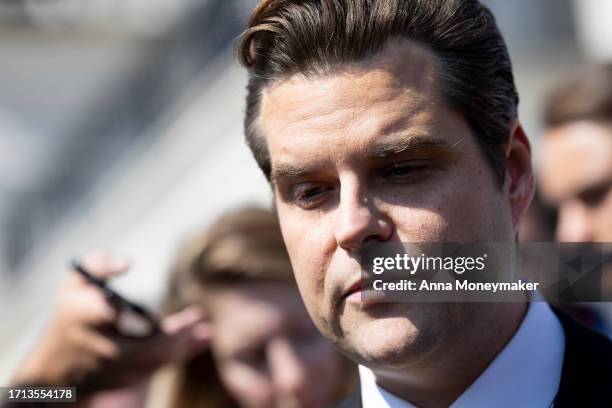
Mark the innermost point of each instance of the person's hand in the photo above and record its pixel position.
(82, 348)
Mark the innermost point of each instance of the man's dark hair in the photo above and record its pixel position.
(310, 37)
(584, 95)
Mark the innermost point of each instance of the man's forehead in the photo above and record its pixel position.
(400, 68)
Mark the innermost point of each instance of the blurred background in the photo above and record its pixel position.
(121, 129)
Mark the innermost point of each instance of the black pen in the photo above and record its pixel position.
(116, 299)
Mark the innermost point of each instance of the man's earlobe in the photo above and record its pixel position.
(520, 181)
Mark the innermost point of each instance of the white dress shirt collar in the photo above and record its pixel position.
(525, 374)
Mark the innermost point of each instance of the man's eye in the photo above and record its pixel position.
(310, 195)
(404, 171)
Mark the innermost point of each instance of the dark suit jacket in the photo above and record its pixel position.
(586, 378)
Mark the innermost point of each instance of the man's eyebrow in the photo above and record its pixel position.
(284, 170)
(415, 142)
(392, 145)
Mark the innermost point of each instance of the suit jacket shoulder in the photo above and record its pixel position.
(586, 379)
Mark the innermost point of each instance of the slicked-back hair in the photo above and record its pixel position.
(311, 37)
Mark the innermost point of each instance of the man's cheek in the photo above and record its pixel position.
(290, 230)
(422, 225)
(312, 297)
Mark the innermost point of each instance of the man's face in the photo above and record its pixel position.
(370, 153)
(576, 177)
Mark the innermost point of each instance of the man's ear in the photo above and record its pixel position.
(520, 182)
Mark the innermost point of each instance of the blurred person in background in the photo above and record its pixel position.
(265, 349)
(81, 346)
(257, 346)
(576, 155)
(538, 226)
(575, 169)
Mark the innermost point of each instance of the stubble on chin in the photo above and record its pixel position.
(408, 335)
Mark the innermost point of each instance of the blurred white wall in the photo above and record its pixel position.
(594, 29)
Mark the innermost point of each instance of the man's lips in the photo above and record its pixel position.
(354, 287)
(358, 294)
(362, 292)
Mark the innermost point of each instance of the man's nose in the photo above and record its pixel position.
(574, 223)
(358, 220)
(289, 376)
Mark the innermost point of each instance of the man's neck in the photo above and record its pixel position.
(443, 376)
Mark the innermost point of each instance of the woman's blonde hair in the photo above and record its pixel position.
(242, 246)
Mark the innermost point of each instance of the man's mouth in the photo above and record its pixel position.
(362, 292)
(359, 293)
(353, 291)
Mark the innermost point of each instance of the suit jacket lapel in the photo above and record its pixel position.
(586, 379)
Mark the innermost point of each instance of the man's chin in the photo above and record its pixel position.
(390, 342)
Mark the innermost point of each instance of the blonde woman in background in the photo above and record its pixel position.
(265, 350)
